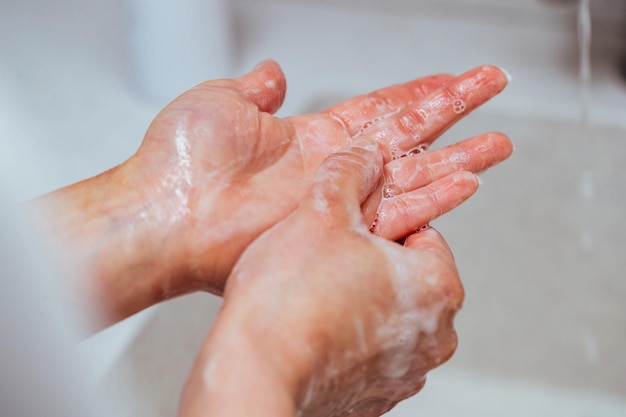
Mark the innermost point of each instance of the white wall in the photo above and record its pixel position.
(609, 15)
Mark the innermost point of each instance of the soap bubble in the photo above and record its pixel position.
(458, 106)
(417, 150)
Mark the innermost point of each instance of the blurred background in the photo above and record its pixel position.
(540, 247)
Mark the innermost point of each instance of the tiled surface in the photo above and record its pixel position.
(538, 309)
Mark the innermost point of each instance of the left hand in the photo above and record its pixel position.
(219, 169)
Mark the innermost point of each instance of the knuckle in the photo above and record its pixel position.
(450, 91)
(433, 196)
(411, 121)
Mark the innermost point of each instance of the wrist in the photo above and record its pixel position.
(240, 372)
(110, 255)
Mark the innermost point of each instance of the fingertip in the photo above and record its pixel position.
(428, 234)
(466, 176)
(266, 85)
(488, 77)
(507, 145)
(429, 238)
(367, 148)
(346, 178)
(506, 74)
(469, 180)
(503, 143)
(266, 63)
(457, 188)
(500, 76)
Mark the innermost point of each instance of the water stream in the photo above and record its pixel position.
(587, 191)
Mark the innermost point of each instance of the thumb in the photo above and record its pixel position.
(345, 179)
(428, 239)
(265, 86)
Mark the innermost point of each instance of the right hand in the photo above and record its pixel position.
(321, 316)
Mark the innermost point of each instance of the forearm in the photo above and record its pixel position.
(99, 239)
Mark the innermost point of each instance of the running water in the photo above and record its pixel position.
(584, 43)
(587, 184)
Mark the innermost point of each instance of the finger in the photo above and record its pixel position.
(369, 208)
(429, 239)
(425, 120)
(448, 287)
(265, 86)
(474, 155)
(401, 215)
(344, 181)
(358, 113)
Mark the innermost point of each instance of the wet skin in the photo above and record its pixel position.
(322, 317)
(216, 169)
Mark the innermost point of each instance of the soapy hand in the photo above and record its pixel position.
(216, 169)
(220, 169)
(323, 318)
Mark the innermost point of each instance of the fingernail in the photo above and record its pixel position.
(506, 74)
(366, 142)
(478, 180)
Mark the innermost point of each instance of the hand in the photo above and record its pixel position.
(230, 170)
(323, 318)
(216, 169)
